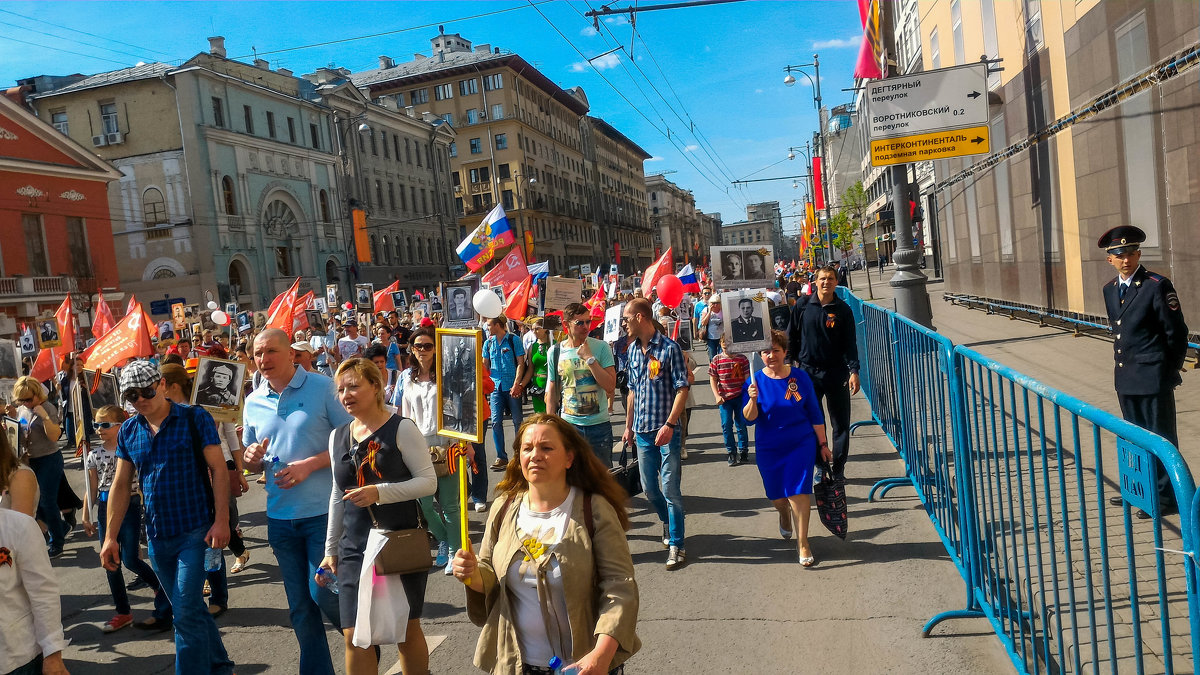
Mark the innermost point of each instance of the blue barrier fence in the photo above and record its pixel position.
(1015, 478)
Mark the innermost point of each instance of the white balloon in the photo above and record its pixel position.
(212, 304)
(220, 318)
(487, 303)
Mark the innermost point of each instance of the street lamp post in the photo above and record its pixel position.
(341, 127)
(790, 80)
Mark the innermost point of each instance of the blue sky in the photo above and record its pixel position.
(723, 64)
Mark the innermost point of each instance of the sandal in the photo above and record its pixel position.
(808, 562)
(240, 564)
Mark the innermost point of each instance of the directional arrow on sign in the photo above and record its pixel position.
(973, 95)
(977, 139)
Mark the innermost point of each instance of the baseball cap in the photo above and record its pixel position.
(302, 347)
(139, 375)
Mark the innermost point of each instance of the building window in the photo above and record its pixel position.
(956, 24)
(392, 195)
(271, 124)
(379, 193)
(362, 144)
(472, 116)
(396, 146)
(449, 117)
(291, 130)
(498, 112)
(417, 96)
(77, 250)
(315, 136)
(428, 158)
(476, 146)
(407, 151)
(228, 195)
(468, 87)
(424, 202)
(248, 114)
(1033, 25)
(35, 245)
(480, 175)
(935, 49)
(502, 171)
(506, 198)
(442, 92)
(455, 179)
(108, 118)
(458, 205)
(491, 82)
(154, 207)
(403, 203)
(454, 149)
(991, 47)
(218, 113)
(374, 148)
(323, 203)
(501, 141)
(383, 142)
(400, 100)
(283, 261)
(1137, 131)
(59, 120)
(366, 192)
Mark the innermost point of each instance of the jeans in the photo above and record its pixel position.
(447, 525)
(835, 391)
(731, 420)
(128, 540)
(49, 472)
(479, 479)
(714, 348)
(660, 480)
(299, 547)
(600, 437)
(500, 401)
(179, 562)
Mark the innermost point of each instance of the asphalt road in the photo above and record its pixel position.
(743, 604)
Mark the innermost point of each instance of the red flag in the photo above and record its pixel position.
(518, 301)
(510, 270)
(127, 340)
(818, 183)
(418, 295)
(870, 53)
(383, 298)
(282, 308)
(104, 318)
(133, 304)
(45, 366)
(66, 326)
(656, 271)
(596, 304)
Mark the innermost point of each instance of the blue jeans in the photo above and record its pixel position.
(500, 401)
(714, 348)
(600, 437)
(660, 480)
(731, 419)
(179, 562)
(128, 540)
(49, 472)
(299, 547)
(479, 480)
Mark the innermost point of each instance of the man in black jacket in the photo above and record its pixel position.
(1149, 342)
(821, 340)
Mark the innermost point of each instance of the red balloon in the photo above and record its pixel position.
(670, 290)
(349, 306)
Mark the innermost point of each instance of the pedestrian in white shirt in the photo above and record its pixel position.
(31, 633)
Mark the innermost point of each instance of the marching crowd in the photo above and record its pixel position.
(341, 428)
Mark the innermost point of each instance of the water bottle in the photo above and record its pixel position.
(556, 664)
(212, 559)
(331, 579)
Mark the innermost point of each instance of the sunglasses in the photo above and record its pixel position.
(578, 322)
(423, 346)
(105, 425)
(132, 394)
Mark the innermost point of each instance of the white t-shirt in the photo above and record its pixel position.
(104, 461)
(419, 403)
(716, 325)
(351, 347)
(537, 645)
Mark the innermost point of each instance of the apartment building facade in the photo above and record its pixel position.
(617, 186)
(677, 223)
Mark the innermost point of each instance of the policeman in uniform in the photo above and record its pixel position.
(1149, 343)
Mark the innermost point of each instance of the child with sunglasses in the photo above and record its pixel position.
(101, 465)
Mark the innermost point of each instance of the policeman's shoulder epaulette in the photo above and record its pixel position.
(1151, 276)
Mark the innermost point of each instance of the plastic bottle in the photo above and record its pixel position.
(213, 559)
(331, 579)
(556, 664)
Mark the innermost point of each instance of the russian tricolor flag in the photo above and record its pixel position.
(479, 248)
(688, 277)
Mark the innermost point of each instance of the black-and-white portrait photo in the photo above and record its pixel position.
(741, 266)
(231, 308)
(218, 388)
(364, 297)
(48, 334)
(685, 336)
(12, 429)
(400, 300)
(460, 384)
(10, 360)
(781, 317)
(245, 322)
(28, 343)
(612, 322)
(260, 321)
(103, 394)
(331, 295)
(166, 331)
(435, 305)
(746, 318)
(316, 321)
(319, 305)
(459, 312)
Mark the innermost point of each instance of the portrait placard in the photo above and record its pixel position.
(218, 388)
(612, 322)
(460, 383)
(331, 295)
(10, 360)
(781, 317)
(245, 322)
(364, 298)
(320, 305)
(47, 334)
(316, 321)
(746, 319)
(179, 315)
(561, 292)
(166, 333)
(459, 312)
(12, 430)
(103, 394)
(741, 266)
(400, 300)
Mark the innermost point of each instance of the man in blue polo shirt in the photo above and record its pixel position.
(286, 425)
(658, 388)
(174, 448)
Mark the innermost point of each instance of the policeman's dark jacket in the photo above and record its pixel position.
(821, 337)
(1149, 335)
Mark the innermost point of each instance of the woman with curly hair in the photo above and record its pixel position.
(557, 533)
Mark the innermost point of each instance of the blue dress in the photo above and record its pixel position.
(785, 445)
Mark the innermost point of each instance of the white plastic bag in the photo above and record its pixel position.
(382, 617)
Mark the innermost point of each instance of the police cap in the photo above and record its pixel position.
(1122, 239)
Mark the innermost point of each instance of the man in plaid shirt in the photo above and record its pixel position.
(658, 388)
(727, 374)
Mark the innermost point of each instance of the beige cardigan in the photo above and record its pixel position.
(597, 572)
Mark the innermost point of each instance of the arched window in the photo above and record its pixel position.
(387, 251)
(409, 256)
(323, 200)
(374, 250)
(399, 248)
(227, 193)
(420, 250)
(154, 207)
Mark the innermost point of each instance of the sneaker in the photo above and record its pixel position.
(499, 465)
(745, 458)
(55, 552)
(480, 507)
(117, 623)
(732, 459)
(136, 584)
(449, 569)
(683, 453)
(676, 558)
(443, 554)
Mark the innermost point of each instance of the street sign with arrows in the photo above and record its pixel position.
(935, 114)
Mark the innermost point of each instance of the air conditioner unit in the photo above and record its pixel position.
(99, 141)
(115, 137)
(457, 188)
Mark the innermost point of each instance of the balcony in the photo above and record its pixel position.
(26, 287)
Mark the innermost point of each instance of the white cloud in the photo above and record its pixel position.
(691, 148)
(837, 43)
(616, 20)
(758, 91)
(655, 159)
(603, 63)
(589, 31)
(707, 48)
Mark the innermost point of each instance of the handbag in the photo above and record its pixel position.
(439, 455)
(627, 473)
(404, 551)
(830, 495)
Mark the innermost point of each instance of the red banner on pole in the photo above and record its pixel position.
(818, 183)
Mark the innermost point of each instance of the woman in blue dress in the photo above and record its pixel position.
(790, 433)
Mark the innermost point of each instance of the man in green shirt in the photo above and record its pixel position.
(581, 374)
